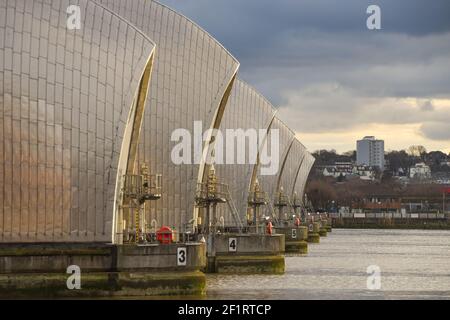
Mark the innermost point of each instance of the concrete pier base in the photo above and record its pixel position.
(323, 227)
(247, 254)
(102, 284)
(295, 239)
(329, 225)
(313, 237)
(41, 270)
(297, 247)
(323, 232)
(314, 232)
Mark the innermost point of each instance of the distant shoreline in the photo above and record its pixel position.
(419, 224)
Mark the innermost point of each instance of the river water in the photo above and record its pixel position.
(413, 264)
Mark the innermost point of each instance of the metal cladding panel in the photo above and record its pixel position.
(303, 175)
(269, 182)
(288, 175)
(65, 99)
(190, 75)
(246, 109)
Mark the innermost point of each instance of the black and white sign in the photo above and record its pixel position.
(294, 234)
(181, 256)
(232, 244)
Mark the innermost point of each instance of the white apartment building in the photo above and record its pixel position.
(370, 152)
(420, 171)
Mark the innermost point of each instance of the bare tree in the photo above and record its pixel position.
(416, 150)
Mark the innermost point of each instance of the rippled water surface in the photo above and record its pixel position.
(415, 264)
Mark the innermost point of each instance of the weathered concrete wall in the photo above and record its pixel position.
(98, 257)
(250, 244)
(95, 284)
(313, 232)
(299, 233)
(295, 239)
(40, 270)
(160, 257)
(253, 254)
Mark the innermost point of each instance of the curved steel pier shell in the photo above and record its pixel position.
(67, 103)
(191, 80)
(246, 114)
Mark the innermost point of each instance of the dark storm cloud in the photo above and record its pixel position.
(436, 130)
(317, 60)
(233, 21)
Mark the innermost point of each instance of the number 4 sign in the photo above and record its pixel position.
(232, 244)
(181, 256)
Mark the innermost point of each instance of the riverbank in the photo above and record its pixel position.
(383, 223)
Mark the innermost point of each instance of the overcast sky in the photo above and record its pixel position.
(333, 80)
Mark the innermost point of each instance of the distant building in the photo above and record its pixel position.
(370, 152)
(364, 172)
(344, 169)
(377, 203)
(339, 169)
(445, 163)
(420, 171)
(441, 177)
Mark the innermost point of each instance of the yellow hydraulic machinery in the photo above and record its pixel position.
(208, 195)
(296, 203)
(281, 201)
(256, 199)
(136, 190)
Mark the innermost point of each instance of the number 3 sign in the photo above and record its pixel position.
(181, 256)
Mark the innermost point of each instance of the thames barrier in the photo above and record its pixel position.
(136, 161)
(89, 177)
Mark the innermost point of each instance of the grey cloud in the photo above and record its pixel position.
(331, 107)
(436, 130)
(326, 71)
(288, 44)
(427, 106)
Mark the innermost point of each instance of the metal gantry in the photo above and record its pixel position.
(296, 203)
(208, 195)
(256, 199)
(281, 201)
(136, 190)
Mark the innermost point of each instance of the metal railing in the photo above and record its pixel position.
(142, 187)
(282, 200)
(258, 198)
(296, 203)
(207, 193)
(391, 215)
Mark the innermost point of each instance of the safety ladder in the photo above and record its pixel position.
(233, 209)
(272, 211)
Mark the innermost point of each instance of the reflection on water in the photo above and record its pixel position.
(414, 264)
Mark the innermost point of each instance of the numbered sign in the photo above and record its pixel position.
(294, 233)
(181, 256)
(311, 227)
(232, 244)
